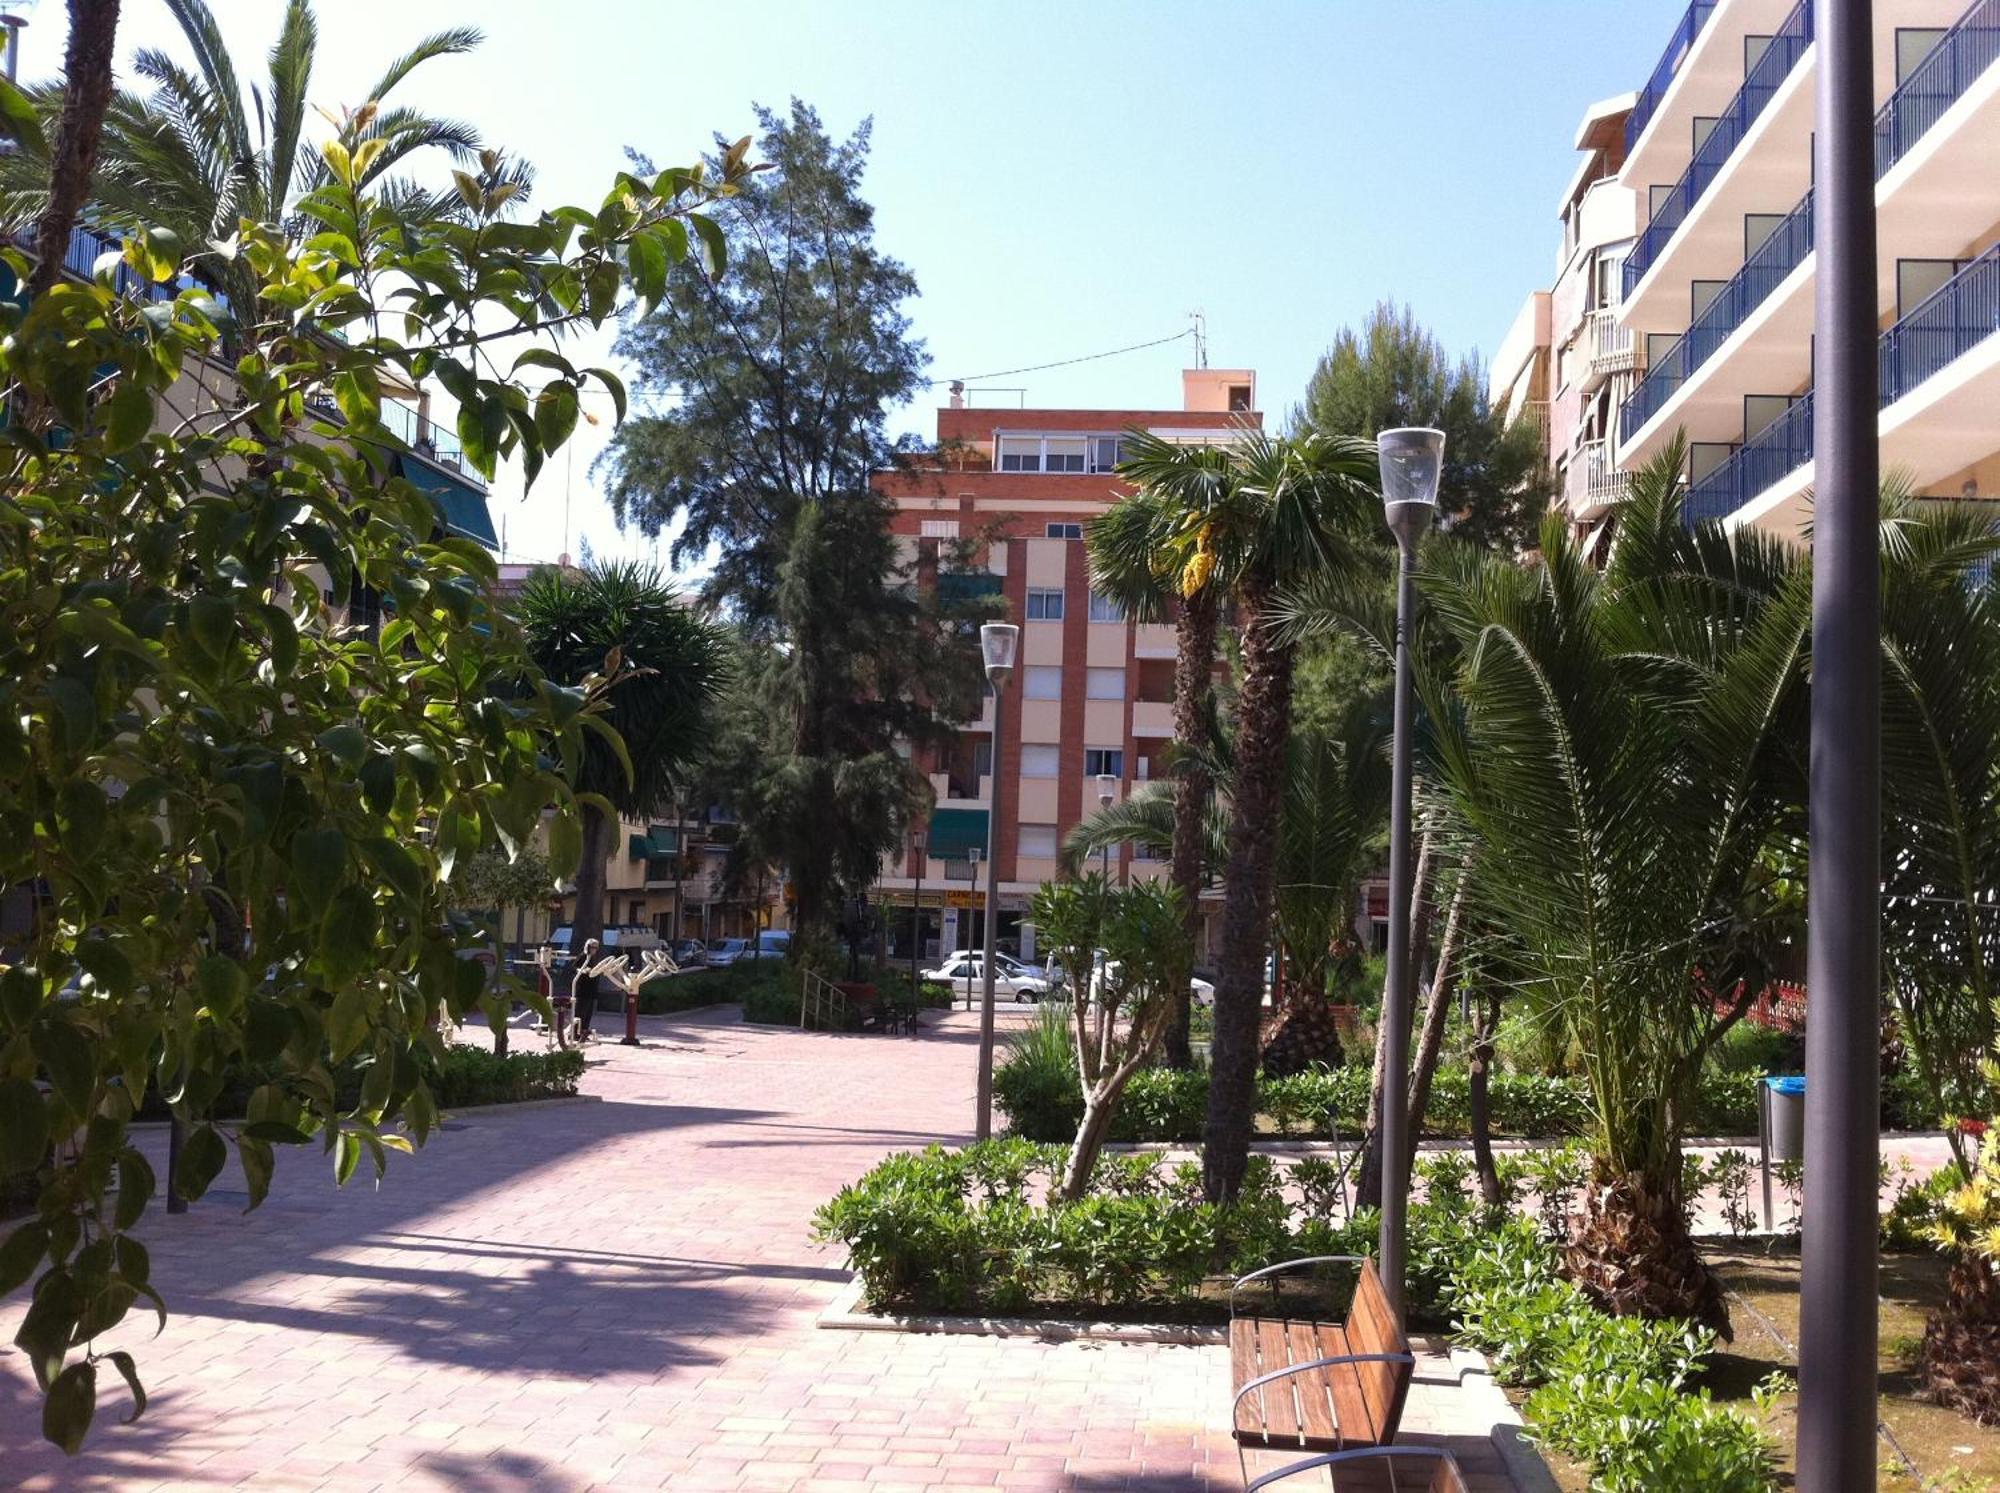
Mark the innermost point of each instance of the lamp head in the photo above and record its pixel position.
(1105, 783)
(999, 645)
(1412, 460)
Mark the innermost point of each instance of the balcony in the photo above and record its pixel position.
(1760, 83)
(1962, 316)
(1608, 349)
(1678, 46)
(1960, 59)
(1591, 484)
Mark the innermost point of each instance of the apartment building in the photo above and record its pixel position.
(1090, 710)
(1716, 286)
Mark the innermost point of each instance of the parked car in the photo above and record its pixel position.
(723, 952)
(772, 943)
(1010, 976)
(625, 938)
(1199, 990)
(689, 953)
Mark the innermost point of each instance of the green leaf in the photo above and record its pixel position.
(346, 743)
(223, 984)
(258, 1165)
(543, 357)
(378, 782)
(358, 395)
(714, 248)
(65, 1053)
(347, 1023)
(647, 258)
(555, 413)
(203, 1155)
(135, 1187)
(21, 1252)
(212, 622)
(319, 865)
(565, 842)
(614, 385)
(71, 1402)
(18, 121)
(44, 1332)
(128, 415)
(277, 1132)
(122, 1361)
(20, 996)
(83, 811)
(24, 1126)
(347, 1152)
(347, 933)
(105, 964)
(396, 865)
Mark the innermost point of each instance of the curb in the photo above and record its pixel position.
(1279, 1146)
(845, 1313)
(1525, 1467)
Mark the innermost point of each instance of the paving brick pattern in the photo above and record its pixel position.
(622, 1294)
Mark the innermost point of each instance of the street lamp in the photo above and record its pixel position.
(999, 643)
(972, 875)
(917, 912)
(1104, 782)
(14, 17)
(1838, 1265)
(1411, 461)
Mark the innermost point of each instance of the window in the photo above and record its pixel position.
(940, 528)
(982, 757)
(1037, 841)
(1063, 453)
(1064, 531)
(1106, 451)
(1020, 453)
(1045, 605)
(1038, 761)
(1041, 682)
(1104, 684)
(1104, 609)
(1100, 760)
(1239, 399)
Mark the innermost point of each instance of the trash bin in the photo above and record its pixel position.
(1785, 1118)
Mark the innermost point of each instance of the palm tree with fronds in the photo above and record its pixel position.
(621, 628)
(1621, 753)
(199, 153)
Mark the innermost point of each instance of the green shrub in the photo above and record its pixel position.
(1160, 1104)
(1036, 1083)
(467, 1076)
(1726, 1103)
(1640, 1434)
(1919, 1206)
(1749, 1048)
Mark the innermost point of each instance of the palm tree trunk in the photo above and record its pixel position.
(1263, 723)
(1443, 978)
(1368, 1183)
(87, 87)
(1485, 1025)
(588, 923)
(1194, 683)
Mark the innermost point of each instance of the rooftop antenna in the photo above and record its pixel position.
(1200, 320)
(503, 537)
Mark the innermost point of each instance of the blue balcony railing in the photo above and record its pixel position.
(1963, 313)
(1669, 65)
(427, 437)
(1760, 83)
(1936, 83)
(1960, 57)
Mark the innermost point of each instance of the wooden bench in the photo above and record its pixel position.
(1310, 1386)
(1392, 1469)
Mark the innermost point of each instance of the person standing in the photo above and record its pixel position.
(583, 990)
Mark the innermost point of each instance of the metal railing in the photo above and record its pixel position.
(1962, 314)
(1664, 71)
(423, 434)
(1610, 342)
(822, 1007)
(1760, 83)
(1962, 55)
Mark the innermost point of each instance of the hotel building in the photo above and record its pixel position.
(1093, 695)
(1684, 299)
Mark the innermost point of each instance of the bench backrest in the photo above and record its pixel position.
(1373, 1327)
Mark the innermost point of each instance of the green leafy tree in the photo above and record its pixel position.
(236, 808)
(662, 667)
(772, 386)
(1392, 372)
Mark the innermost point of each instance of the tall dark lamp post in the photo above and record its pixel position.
(999, 643)
(1837, 1310)
(1104, 795)
(1411, 460)
(917, 911)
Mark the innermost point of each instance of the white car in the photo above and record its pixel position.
(1011, 977)
(1200, 991)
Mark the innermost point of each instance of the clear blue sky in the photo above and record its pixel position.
(1062, 178)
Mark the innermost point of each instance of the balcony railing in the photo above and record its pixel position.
(1935, 84)
(423, 434)
(1678, 47)
(1958, 60)
(1762, 81)
(1963, 313)
(1609, 345)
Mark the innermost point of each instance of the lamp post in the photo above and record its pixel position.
(14, 18)
(1104, 782)
(1837, 1341)
(1411, 460)
(918, 845)
(999, 642)
(972, 868)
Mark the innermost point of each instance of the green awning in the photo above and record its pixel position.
(459, 505)
(658, 844)
(955, 832)
(967, 585)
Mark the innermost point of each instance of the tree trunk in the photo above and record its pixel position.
(87, 87)
(1194, 684)
(1263, 723)
(1485, 1025)
(1630, 1249)
(1436, 1011)
(1368, 1182)
(588, 923)
(1090, 1133)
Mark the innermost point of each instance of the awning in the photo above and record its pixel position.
(657, 844)
(462, 510)
(967, 585)
(955, 832)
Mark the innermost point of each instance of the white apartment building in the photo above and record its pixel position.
(1714, 285)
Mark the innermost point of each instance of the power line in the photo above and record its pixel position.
(970, 378)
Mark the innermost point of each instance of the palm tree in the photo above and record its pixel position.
(196, 156)
(1258, 515)
(662, 668)
(1621, 752)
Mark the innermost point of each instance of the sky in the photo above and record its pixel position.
(1063, 179)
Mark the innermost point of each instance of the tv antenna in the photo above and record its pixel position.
(1200, 320)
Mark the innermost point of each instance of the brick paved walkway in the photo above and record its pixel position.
(617, 1295)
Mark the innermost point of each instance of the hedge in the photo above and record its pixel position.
(464, 1076)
